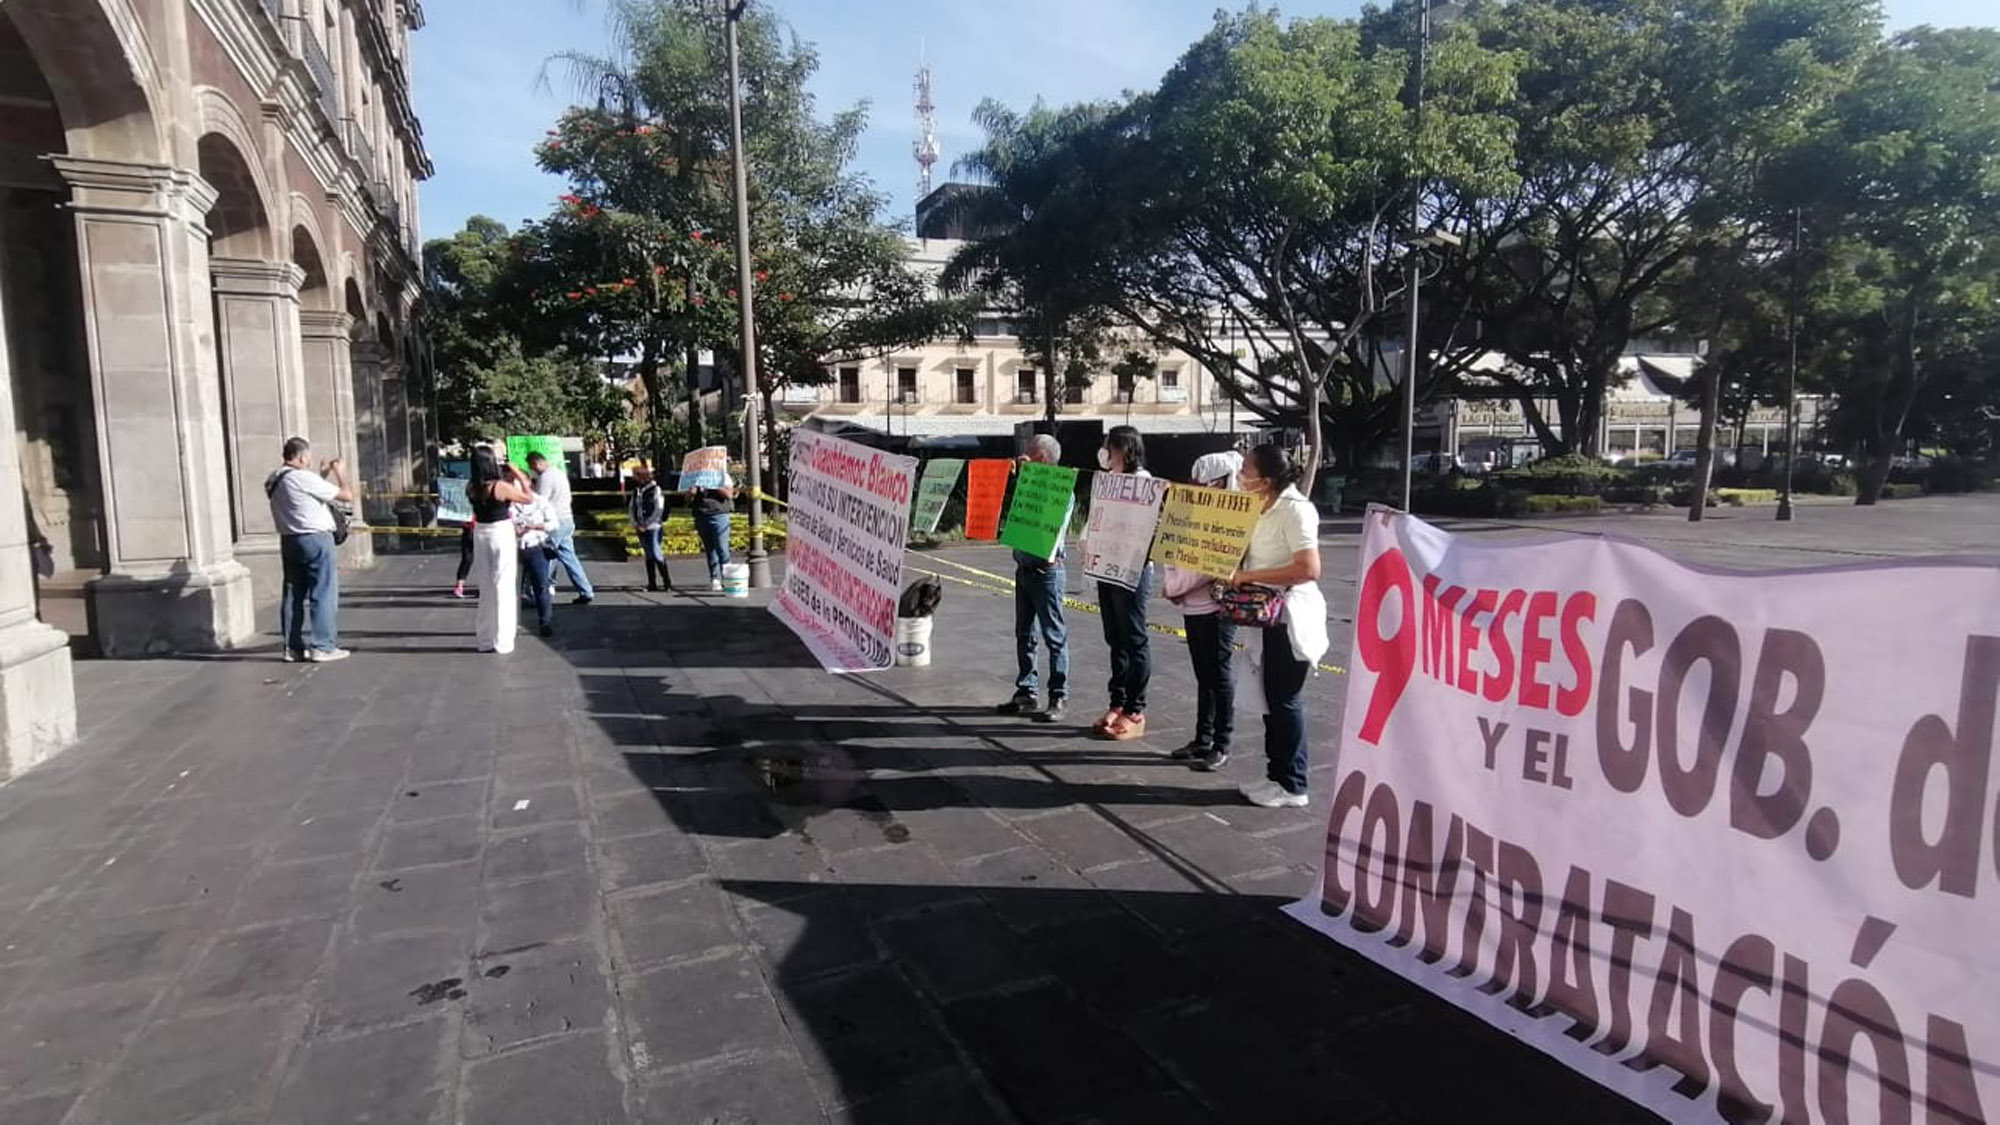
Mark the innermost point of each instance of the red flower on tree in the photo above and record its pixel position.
(784, 296)
(590, 289)
(763, 275)
(696, 235)
(574, 296)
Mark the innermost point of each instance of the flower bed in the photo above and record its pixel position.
(678, 537)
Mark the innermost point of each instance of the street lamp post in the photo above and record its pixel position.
(1415, 282)
(1792, 371)
(753, 437)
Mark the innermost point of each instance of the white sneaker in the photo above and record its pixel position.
(292, 657)
(326, 656)
(715, 585)
(1270, 795)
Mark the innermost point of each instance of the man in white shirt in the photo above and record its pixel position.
(302, 508)
(552, 484)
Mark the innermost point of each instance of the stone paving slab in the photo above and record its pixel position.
(662, 868)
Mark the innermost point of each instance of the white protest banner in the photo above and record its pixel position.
(940, 477)
(1124, 509)
(844, 553)
(1721, 841)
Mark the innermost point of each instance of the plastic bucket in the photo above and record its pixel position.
(736, 580)
(913, 642)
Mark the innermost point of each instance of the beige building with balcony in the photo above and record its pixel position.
(985, 386)
(208, 242)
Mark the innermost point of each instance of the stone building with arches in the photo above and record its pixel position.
(208, 242)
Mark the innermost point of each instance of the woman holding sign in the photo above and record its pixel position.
(1124, 611)
(1211, 638)
(1277, 591)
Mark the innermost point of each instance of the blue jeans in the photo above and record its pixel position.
(1285, 704)
(312, 578)
(537, 565)
(1125, 633)
(655, 556)
(563, 540)
(1209, 639)
(713, 528)
(1038, 607)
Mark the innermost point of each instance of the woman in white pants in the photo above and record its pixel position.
(495, 553)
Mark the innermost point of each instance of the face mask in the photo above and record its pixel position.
(1104, 458)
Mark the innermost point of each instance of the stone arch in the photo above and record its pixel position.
(357, 307)
(220, 117)
(315, 292)
(239, 225)
(108, 110)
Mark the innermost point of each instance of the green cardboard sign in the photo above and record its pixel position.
(940, 477)
(1040, 511)
(520, 445)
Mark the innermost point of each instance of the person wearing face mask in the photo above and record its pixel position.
(1283, 554)
(1124, 611)
(1210, 637)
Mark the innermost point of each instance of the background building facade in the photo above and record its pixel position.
(208, 241)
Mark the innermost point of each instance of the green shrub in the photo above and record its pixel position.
(1542, 504)
(1569, 475)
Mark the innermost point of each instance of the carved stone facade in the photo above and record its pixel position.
(208, 243)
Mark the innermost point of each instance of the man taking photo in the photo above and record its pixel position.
(302, 508)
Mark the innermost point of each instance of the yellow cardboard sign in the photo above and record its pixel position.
(1205, 530)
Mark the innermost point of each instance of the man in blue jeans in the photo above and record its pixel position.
(302, 509)
(1038, 608)
(552, 484)
(648, 508)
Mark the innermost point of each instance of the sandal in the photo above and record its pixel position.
(1127, 727)
(1104, 724)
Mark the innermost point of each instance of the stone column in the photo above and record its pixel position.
(371, 431)
(37, 695)
(263, 386)
(171, 581)
(396, 422)
(329, 421)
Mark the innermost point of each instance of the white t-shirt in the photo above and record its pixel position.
(1291, 526)
(299, 499)
(553, 485)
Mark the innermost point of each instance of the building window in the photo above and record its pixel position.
(968, 386)
(850, 384)
(906, 384)
(1170, 378)
(1128, 387)
(992, 326)
(1075, 392)
(1024, 386)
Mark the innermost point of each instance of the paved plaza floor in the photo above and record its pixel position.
(662, 868)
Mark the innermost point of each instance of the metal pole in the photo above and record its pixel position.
(753, 438)
(1416, 265)
(1792, 371)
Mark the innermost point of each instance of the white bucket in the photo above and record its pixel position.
(913, 642)
(735, 580)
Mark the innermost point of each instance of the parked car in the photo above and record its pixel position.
(1686, 458)
(1438, 463)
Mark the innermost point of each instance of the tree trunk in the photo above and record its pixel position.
(649, 378)
(1704, 441)
(1314, 442)
(774, 482)
(697, 424)
(1871, 475)
(1050, 381)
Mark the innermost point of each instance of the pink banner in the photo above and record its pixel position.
(1724, 842)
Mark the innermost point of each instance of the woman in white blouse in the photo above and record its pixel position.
(1284, 553)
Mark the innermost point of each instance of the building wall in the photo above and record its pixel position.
(207, 224)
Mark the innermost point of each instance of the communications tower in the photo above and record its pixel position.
(927, 143)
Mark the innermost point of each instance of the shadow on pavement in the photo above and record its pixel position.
(1044, 1004)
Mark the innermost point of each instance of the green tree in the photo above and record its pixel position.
(488, 380)
(1641, 127)
(639, 258)
(1900, 178)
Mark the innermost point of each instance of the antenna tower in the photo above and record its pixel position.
(927, 143)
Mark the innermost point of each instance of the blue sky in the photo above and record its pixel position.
(477, 64)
